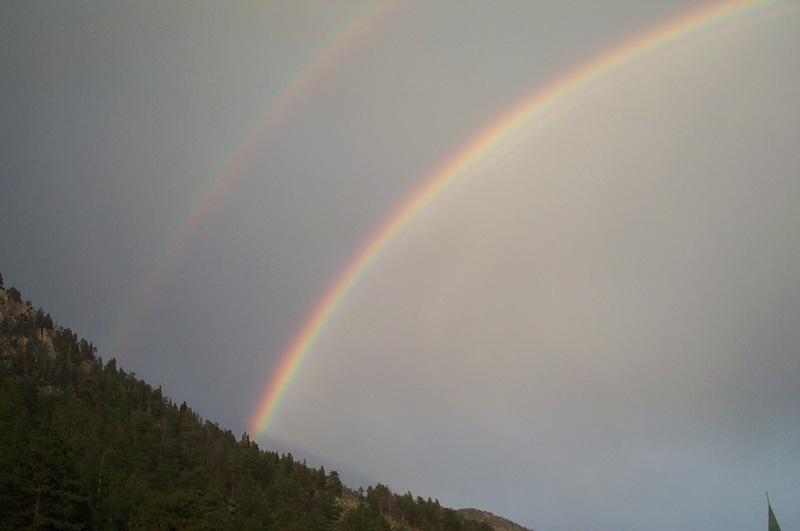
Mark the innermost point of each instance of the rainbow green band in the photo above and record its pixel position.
(305, 79)
(445, 175)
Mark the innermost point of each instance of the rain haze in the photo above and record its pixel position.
(594, 327)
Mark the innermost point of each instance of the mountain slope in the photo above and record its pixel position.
(86, 445)
(498, 523)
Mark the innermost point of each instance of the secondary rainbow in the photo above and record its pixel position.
(483, 143)
(359, 25)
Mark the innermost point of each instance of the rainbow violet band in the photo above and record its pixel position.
(483, 143)
(304, 81)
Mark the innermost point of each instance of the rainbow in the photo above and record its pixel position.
(482, 144)
(298, 87)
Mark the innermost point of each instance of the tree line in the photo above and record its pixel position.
(86, 445)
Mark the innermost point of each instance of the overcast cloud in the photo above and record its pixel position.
(595, 329)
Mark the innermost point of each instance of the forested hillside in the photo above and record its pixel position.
(87, 445)
(497, 522)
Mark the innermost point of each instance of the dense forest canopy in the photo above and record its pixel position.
(86, 445)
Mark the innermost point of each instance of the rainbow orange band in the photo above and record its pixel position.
(298, 87)
(446, 174)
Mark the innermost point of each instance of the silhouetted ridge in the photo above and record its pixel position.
(496, 522)
(86, 445)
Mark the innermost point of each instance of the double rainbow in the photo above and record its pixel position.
(483, 143)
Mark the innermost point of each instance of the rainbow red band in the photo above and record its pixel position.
(485, 142)
(305, 79)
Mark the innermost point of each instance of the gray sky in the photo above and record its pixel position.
(595, 329)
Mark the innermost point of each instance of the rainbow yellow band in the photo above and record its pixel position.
(483, 143)
(298, 87)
